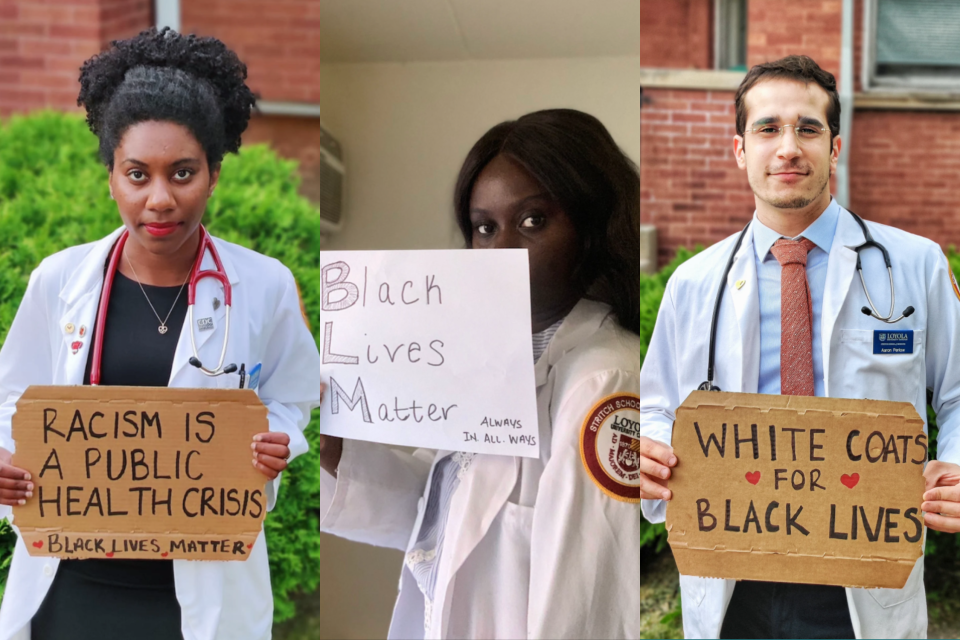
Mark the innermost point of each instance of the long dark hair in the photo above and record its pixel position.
(577, 161)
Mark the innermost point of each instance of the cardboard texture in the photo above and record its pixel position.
(137, 472)
(797, 489)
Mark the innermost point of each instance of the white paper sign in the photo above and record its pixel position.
(430, 349)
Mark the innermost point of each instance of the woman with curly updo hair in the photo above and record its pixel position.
(166, 109)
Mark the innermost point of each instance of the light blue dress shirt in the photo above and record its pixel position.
(820, 233)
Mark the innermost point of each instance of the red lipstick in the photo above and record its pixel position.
(161, 228)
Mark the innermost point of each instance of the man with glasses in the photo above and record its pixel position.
(794, 320)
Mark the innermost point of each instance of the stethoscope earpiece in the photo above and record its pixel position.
(194, 361)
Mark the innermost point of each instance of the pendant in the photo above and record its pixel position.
(162, 329)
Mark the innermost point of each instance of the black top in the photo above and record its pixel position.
(107, 599)
(135, 353)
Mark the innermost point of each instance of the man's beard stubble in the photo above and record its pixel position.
(794, 201)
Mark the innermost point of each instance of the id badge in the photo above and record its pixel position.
(893, 342)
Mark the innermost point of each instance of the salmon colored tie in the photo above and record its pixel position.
(796, 317)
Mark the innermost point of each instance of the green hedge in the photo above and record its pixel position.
(53, 194)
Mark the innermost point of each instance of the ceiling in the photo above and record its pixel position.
(419, 30)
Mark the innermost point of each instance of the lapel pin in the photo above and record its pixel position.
(68, 327)
(83, 330)
(76, 346)
(205, 324)
(216, 303)
(739, 284)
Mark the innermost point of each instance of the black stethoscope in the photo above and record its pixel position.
(868, 242)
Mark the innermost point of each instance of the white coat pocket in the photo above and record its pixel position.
(864, 374)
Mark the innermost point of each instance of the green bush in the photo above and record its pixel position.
(53, 194)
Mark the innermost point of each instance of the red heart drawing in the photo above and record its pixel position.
(250, 546)
(753, 477)
(850, 481)
(164, 554)
(109, 554)
(38, 544)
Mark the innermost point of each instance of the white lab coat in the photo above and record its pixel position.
(218, 600)
(677, 363)
(532, 547)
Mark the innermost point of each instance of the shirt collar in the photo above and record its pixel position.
(820, 233)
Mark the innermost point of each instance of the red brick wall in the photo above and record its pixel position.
(904, 171)
(121, 19)
(677, 34)
(44, 42)
(278, 45)
(692, 189)
(776, 28)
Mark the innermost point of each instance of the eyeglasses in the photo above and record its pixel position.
(804, 132)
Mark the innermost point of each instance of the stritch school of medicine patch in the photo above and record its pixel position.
(609, 446)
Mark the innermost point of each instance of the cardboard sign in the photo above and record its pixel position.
(430, 349)
(135, 472)
(797, 489)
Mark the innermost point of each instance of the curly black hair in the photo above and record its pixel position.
(580, 165)
(165, 76)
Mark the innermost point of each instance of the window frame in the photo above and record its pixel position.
(892, 83)
(722, 28)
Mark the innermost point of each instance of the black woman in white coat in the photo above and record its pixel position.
(165, 108)
(505, 547)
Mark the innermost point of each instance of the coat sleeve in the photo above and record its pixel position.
(25, 358)
(290, 382)
(943, 356)
(659, 382)
(584, 550)
(374, 498)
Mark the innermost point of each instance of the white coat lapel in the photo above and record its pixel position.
(742, 289)
(484, 489)
(841, 270)
(81, 299)
(209, 311)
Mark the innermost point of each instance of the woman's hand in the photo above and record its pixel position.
(270, 453)
(15, 485)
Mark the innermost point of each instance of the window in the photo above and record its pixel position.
(912, 45)
(730, 35)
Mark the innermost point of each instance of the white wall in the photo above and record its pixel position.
(406, 128)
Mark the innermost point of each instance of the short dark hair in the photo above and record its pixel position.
(165, 76)
(580, 165)
(800, 68)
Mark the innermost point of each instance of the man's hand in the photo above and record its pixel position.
(941, 499)
(15, 485)
(655, 462)
(270, 453)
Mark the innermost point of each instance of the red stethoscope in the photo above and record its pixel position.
(196, 275)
